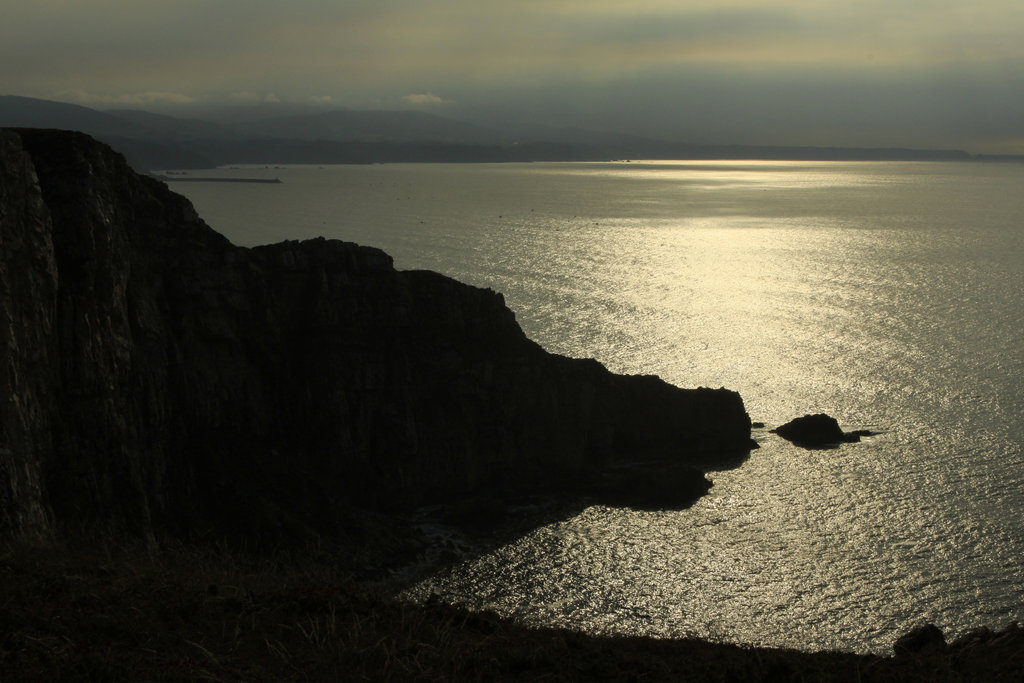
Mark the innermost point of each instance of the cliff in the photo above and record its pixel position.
(157, 377)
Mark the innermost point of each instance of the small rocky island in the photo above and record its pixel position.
(818, 431)
(194, 435)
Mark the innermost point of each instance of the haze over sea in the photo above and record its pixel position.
(890, 295)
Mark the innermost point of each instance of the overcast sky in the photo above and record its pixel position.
(917, 73)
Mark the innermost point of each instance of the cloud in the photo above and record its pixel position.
(423, 99)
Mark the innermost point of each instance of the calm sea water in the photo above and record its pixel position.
(890, 295)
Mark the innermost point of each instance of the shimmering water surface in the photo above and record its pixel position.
(890, 295)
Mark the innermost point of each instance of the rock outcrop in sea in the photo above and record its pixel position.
(157, 377)
(817, 431)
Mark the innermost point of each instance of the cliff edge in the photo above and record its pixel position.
(157, 377)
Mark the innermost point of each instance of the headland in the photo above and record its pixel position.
(202, 439)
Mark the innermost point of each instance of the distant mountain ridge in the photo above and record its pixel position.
(267, 135)
(391, 126)
(27, 112)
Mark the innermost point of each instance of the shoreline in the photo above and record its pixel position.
(188, 179)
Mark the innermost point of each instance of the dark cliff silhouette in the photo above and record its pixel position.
(157, 377)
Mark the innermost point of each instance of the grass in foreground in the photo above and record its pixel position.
(183, 613)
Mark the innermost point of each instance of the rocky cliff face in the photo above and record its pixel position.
(157, 377)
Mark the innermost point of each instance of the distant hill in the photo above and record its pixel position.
(145, 144)
(27, 112)
(334, 126)
(285, 134)
(173, 128)
(373, 126)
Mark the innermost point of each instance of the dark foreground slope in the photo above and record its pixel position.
(159, 378)
(196, 614)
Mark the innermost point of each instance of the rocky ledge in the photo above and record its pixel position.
(157, 377)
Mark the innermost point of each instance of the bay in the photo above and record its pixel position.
(890, 295)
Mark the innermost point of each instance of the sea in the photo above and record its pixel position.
(887, 294)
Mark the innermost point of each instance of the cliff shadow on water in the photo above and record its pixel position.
(162, 380)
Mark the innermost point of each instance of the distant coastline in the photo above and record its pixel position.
(190, 179)
(258, 152)
(151, 141)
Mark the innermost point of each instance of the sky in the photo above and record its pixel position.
(912, 73)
